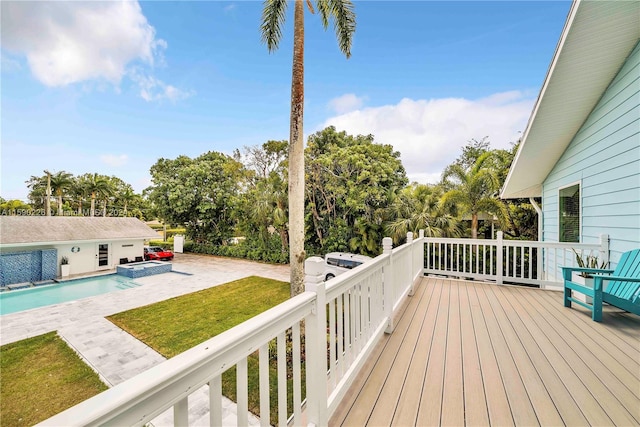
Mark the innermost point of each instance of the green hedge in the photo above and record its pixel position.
(164, 245)
(241, 250)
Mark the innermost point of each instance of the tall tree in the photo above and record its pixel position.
(350, 183)
(79, 191)
(199, 193)
(61, 182)
(473, 190)
(265, 202)
(96, 185)
(125, 198)
(273, 17)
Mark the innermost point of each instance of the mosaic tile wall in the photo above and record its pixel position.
(28, 266)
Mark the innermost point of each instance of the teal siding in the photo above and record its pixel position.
(604, 157)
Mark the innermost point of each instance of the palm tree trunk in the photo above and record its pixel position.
(296, 156)
(80, 206)
(47, 205)
(474, 225)
(59, 204)
(93, 204)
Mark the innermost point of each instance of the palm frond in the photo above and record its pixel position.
(324, 11)
(273, 17)
(344, 23)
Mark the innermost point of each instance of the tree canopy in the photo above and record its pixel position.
(199, 193)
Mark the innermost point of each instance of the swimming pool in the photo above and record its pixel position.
(25, 299)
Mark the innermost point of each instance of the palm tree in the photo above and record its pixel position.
(473, 190)
(37, 190)
(125, 197)
(60, 182)
(96, 185)
(79, 190)
(273, 17)
(417, 207)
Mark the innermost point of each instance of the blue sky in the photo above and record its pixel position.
(110, 87)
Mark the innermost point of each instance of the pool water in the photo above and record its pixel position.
(25, 299)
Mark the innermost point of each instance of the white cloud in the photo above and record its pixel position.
(430, 133)
(67, 42)
(153, 89)
(346, 103)
(114, 160)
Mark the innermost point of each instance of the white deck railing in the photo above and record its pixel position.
(323, 335)
(511, 261)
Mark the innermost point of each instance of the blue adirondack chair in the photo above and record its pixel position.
(622, 288)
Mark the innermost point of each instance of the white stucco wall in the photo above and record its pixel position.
(85, 260)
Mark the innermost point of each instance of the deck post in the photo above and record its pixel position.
(421, 253)
(411, 266)
(387, 247)
(316, 344)
(499, 257)
(604, 249)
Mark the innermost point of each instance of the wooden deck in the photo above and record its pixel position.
(476, 354)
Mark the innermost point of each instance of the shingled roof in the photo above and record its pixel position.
(23, 230)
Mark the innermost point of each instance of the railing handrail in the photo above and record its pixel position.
(132, 402)
(517, 243)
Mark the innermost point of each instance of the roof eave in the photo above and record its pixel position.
(595, 42)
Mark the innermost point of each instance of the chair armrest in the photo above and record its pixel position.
(566, 271)
(620, 278)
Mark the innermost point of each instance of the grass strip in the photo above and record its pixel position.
(42, 376)
(175, 325)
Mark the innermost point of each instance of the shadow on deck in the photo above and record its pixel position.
(468, 353)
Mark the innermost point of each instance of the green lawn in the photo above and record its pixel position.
(172, 326)
(42, 376)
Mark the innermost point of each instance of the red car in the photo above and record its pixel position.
(156, 252)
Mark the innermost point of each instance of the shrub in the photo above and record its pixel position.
(244, 249)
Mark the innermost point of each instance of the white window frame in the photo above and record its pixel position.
(573, 184)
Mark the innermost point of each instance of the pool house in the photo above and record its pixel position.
(32, 248)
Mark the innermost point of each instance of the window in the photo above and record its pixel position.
(569, 215)
(332, 261)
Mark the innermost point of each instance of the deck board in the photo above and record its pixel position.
(506, 316)
(406, 412)
(469, 353)
(521, 407)
(474, 394)
(496, 396)
(430, 408)
(556, 389)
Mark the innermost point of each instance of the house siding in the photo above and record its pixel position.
(604, 157)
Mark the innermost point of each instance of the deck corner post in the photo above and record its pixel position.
(411, 260)
(387, 249)
(499, 257)
(316, 344)
(604, 248)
